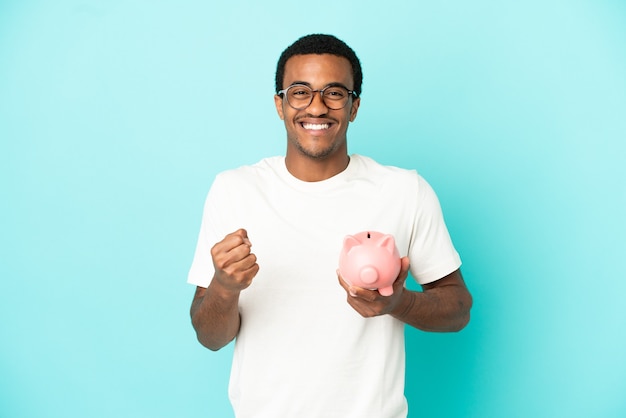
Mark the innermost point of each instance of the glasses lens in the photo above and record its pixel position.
(335, 97)
(299, 97)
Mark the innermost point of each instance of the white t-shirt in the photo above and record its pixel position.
(302, 351)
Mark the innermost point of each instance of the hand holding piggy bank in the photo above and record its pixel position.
(370, 260)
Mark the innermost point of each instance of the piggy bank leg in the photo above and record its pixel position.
(386, 291)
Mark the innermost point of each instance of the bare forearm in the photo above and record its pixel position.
(445, 309)
(215, 317)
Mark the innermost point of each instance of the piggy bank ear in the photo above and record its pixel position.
(387, 242)
(349, 241)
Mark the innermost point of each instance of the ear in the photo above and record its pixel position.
(354, 108)
(278, 102)
(387, 242)
(349, 241)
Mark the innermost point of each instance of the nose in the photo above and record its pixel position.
(317, 106)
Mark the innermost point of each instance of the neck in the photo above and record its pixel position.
(311, 170)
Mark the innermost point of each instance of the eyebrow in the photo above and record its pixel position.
(334, 84)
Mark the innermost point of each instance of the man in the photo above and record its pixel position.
(265, 267)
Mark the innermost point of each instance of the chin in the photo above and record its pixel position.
(317, 153)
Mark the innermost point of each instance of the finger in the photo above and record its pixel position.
(235, 239)
(246, 263)
(342, 282)
(363, 308)
(223, 258)
(239, 252)
(404, 272)
(239, 237)
(232, 241)
(243, 234)
(241, 272)
(365, 294)
(346, 286)
(404, 267)
(245, 270)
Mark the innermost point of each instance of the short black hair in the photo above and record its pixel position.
(320, 44)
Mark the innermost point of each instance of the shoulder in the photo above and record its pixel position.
(401, 181)
(368, 167)
(251, 173)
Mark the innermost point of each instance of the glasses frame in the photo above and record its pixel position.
(284, 94)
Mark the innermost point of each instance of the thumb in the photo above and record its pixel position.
(404, 268)
(244, 235)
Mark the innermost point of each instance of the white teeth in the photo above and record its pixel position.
(315, 126)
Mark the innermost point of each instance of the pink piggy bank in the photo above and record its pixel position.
(370, 260)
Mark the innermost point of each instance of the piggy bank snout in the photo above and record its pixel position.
(368, 274)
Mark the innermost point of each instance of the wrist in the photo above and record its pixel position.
(405, 305)
(223, 292)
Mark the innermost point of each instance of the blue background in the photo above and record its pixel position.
(115, 116)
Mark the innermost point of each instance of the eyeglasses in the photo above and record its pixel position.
(334, 97)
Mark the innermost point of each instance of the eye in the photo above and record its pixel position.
(299, 92)
(335, 93)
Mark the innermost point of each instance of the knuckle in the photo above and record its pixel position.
(219, 264)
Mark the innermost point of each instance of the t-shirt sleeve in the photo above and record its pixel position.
(432, 253)
(201, 271)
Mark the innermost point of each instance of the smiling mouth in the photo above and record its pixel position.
(315, 126)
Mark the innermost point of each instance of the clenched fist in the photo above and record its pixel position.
(235, 264)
